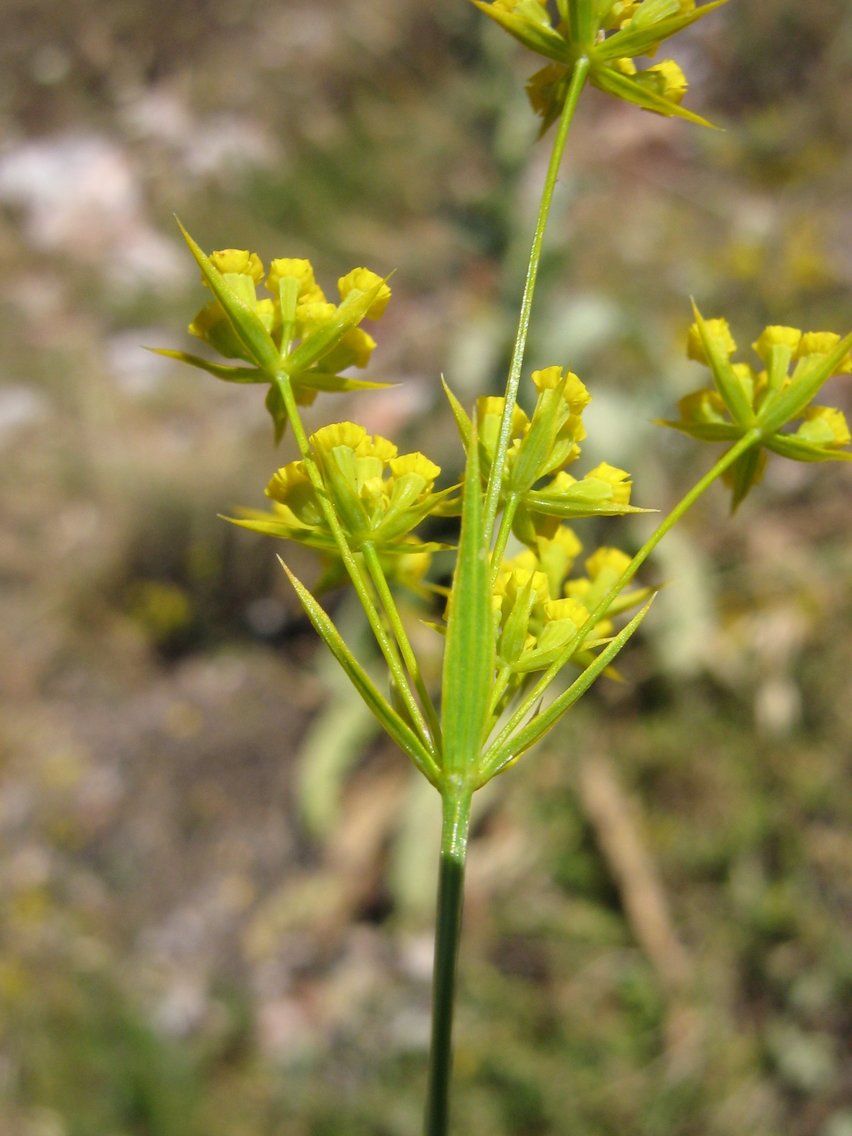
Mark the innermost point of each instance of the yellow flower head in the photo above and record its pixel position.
(716, 329)
(539, 615)
(293, 334)
(301, 271)
(603, 491)
(610, 36)
(378, 495)
(824, 426)
(813, 343)
(775, 336)
(772, 406)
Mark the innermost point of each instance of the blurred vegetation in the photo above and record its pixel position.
(216, 881)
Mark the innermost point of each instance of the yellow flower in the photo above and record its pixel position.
(774, 405)
(363, 280)
(604, 491)
(294, 334)
(378, 495)
(824, 426)
(610, 36)
(301, 271)
(823, 343)
(238, 262)
(775, 336)
(539, 613)
(718, 330)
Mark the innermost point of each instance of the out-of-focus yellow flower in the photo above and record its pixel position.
(775, 403)
(610, 35)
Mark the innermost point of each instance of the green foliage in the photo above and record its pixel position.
(85, 1055)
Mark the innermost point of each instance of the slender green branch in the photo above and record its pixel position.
(504, 529)
(492, 500)
(746, 442)
(456, 801)
(360, 582)
(388, 603)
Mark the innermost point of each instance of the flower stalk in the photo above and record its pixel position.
(579, 75)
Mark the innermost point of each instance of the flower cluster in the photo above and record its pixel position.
(540, 612)
(609, 34)
(378, 495)
(293, 332)
(540, 448)
(762, 402)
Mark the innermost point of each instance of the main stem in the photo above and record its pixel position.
(456, 801)
(456, 793)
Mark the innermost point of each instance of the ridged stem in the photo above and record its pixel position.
(456, 801)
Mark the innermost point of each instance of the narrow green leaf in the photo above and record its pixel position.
(704, 431)
(582, 22)
(390, 721)
(625, 88)
(789, 446)
(219, 370)
(469, 653)
(274, 403)
(505, 753)
(327, 381)
(565, 507)
(462, 421)
(745, 473)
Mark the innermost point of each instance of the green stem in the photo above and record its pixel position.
(495, 480)
(350, 562)
(456, 801)
(752, 438)
(504, 529)
(374, 567)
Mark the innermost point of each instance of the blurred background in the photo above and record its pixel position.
(216, 880)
